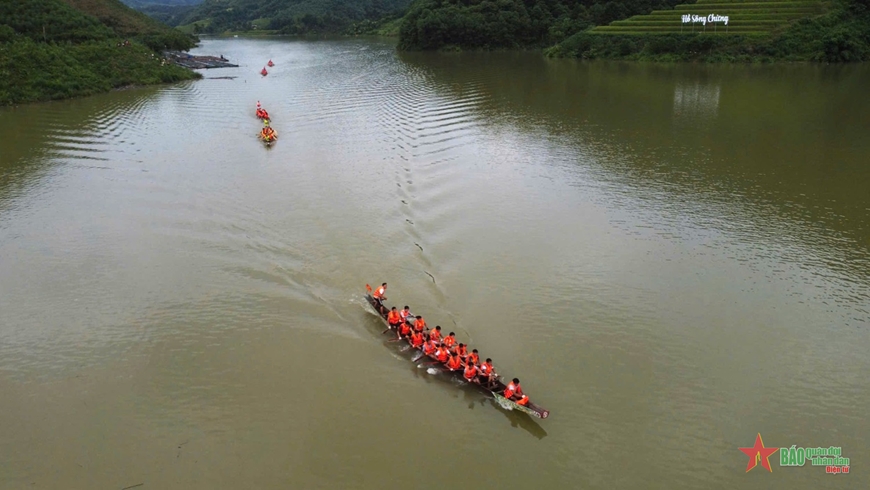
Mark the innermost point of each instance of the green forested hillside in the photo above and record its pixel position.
(838, 32)
(138, 4)
(170, 12)
(288, 16)
(50, 49)
(126, 23)
(437, 24)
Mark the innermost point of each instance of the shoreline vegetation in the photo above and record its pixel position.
(288, 17)
(759, 31)
(840, 34)
(56, 49)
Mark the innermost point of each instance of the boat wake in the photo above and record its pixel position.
(504, 404)
(364, 303)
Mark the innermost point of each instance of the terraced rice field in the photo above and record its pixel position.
(744, 17)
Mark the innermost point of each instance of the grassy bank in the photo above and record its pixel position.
(842, 34)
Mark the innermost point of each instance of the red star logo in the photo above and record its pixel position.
(758, 453)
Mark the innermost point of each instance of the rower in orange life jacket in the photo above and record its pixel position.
(473, 358)
(515, 392)
(428, 348)
(393, 318)
(442, 353)
(450, 340)
(405, 314)
(416, 339)
(405, 330)
(379, 292)
(487, 371)
(470, 373)
(454, 362)
(460, 351)
(435, 334)
(419, 324)
(379, 297)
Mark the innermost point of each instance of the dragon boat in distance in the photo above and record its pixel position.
(497, 389)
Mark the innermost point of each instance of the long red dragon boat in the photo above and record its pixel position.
(497, 389)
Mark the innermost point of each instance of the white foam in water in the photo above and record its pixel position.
(503, 404)
(432, 371)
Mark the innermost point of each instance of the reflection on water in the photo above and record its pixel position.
(521, 420)
(696, 102)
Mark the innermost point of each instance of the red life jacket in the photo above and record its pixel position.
(510, 390)
(470, 371)
(405, 329)
(428, 348)
(449, 340)
(441, 355)
(420, 324)
(434, 335)
(393, 317)
(485, 369)
(454, 362)
(416, 339)
(379, 292)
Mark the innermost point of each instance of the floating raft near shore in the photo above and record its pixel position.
(197, 62)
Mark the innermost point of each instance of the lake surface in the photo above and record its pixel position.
(672, 258)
